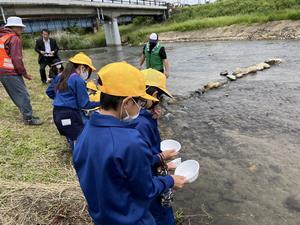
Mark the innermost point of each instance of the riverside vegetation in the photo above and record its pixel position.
(219, 14)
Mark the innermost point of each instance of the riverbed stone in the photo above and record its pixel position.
(224, 73)
(262, 66)
(231, 77)
(273, 61)
(212, 85)
(169, 116)
(240, 72)
(293, 202)
(240, 75)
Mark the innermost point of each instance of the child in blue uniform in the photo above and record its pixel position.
(147, 125)
(70, 96)
(112, 161)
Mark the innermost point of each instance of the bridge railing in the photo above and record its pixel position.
(133, 2)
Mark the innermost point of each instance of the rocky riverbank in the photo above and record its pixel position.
(276, 30)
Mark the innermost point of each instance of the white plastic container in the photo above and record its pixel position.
(189, 169)
(176, 162)
(169, 145)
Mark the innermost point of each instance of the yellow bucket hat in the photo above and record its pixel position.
(156, 79)
(91, 85)
(124, 80)
(95, 97)
(83, 59)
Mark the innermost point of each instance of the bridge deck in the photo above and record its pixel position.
(137, 4)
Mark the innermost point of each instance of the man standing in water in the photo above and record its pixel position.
(155, 55)
(12, 69)
(48, 52)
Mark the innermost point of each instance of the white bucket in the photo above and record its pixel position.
(188, 169)
(170, 145)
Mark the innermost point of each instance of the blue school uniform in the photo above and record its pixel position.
(68, 104)
(148, 128)
(75, 97)
(113, 165)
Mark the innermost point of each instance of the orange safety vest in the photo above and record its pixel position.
(5, 59)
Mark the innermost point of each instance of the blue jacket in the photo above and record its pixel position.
(75, 97)
(113, 165)
(148, 128)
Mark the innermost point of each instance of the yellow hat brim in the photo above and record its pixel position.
(149, 97)
(166, 92)
(154, 78)
(74, 60)
(79, 62)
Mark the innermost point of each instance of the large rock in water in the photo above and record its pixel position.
(212, 85)
(240, 72)
(215, 84)
(231, 77)
(273, 61)
(262, 66)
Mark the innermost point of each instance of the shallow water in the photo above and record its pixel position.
(194, 64)
(245, 135)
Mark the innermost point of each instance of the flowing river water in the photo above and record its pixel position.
(246, 135)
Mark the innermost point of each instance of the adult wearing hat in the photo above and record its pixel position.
(12, 69)
(154, 54)
(47, 49)
(70, 96)
(112, 161)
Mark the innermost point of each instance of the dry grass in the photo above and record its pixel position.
(33, 154)
(55, 204)
(37, 182)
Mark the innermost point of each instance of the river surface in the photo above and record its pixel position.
(194, 64)
(246, 135)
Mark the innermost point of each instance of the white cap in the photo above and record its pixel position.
(14, 21)
(153, 37)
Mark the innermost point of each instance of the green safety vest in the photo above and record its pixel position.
(153, 59)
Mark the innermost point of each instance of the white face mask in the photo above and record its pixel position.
(84, 74)
(129, 118)
(58, 66)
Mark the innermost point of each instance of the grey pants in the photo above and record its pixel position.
(17, 91)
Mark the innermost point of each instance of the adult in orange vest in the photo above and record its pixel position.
(12, 68)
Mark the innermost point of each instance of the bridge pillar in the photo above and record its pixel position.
(112, 34)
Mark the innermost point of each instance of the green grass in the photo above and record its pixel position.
(70, 40)
(31, 154)
(234, 7)
(138, 34)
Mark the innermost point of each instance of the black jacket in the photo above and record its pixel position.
(39, 46)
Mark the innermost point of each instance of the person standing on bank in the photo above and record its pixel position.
(155, 56)
(47, 49)
(147, 125)
(12, 68)
(70, 96)
(112, 162)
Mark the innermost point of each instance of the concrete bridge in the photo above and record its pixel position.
(104, 10)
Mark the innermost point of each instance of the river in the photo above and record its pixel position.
(245, 135)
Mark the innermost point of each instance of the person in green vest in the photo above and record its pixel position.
(155, 56)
